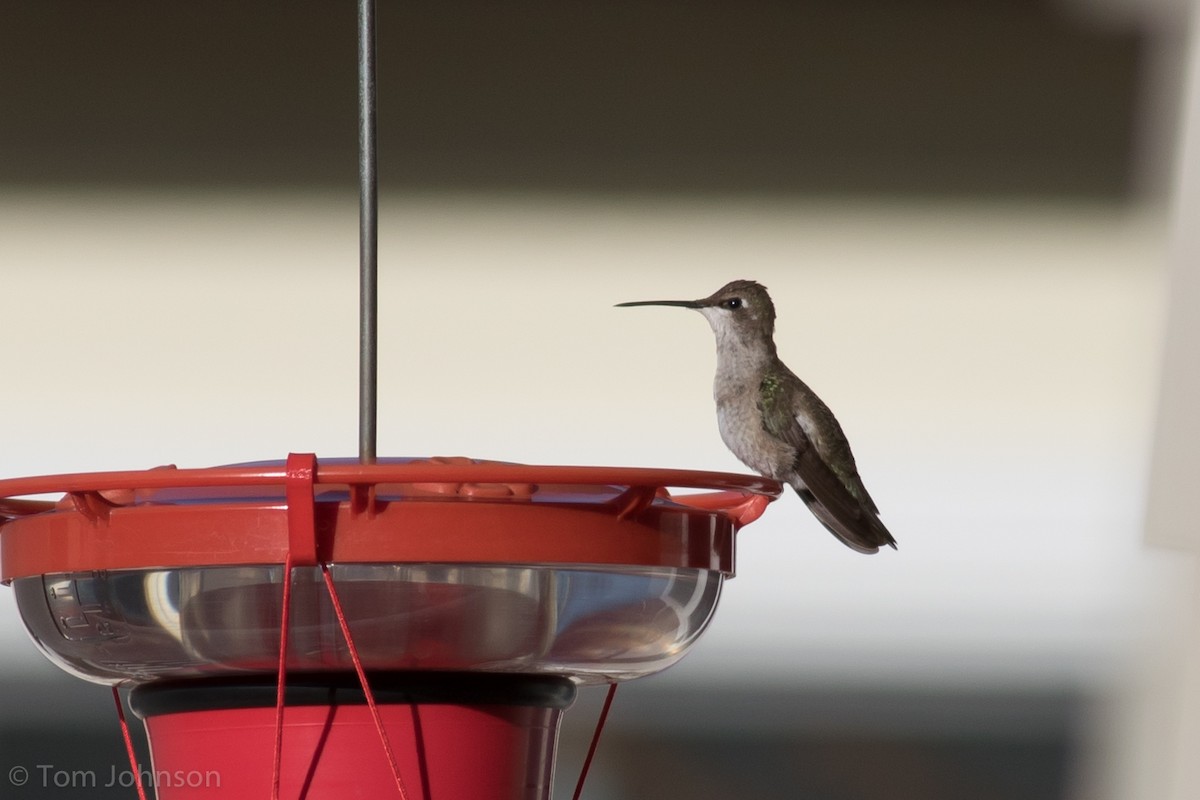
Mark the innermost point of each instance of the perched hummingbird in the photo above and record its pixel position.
(774, 423)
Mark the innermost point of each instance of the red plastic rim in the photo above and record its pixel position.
(433, 510)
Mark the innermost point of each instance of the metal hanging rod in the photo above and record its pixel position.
(368, 238)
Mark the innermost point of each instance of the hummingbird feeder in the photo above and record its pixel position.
(276, 622)
(366, 628)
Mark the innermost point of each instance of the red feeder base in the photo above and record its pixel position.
(455, 737)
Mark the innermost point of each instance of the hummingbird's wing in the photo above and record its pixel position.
(828, 479)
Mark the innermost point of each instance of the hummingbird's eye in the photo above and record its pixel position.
(732, 303)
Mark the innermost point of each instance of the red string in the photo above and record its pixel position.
(281, 680)
(362, 679)
(133, 765)
(587, 762)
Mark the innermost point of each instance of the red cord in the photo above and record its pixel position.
(133, 765)
(362, 679)
(587, 762)
(281, 680)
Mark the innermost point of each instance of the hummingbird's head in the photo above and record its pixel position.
(739, 311)
(742, 309)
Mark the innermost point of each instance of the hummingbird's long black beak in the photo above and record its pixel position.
(680, 303)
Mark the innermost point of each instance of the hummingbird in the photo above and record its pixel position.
(774, 423)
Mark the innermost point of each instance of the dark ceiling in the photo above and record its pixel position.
(884, 98)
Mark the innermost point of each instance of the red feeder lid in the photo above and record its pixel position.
(448, 510)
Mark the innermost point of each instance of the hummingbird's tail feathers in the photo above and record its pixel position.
(866, 534)
(849, 514)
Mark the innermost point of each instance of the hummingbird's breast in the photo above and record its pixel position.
(740, 421)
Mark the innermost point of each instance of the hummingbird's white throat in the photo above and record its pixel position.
(738, 347)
